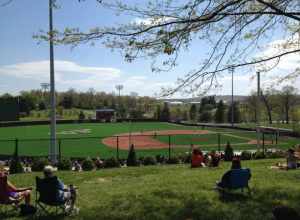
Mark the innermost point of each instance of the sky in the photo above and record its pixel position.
(24, 61)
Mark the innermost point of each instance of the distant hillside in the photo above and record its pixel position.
(225, 98)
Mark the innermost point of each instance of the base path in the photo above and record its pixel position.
(145, 140)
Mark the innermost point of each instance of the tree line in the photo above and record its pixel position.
(125, 105)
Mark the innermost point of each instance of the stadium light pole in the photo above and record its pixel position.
(52, 147)
(231, 70)
(257, 109)
(119, 88)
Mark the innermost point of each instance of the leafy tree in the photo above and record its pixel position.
(220, 113)
(42, 106)
(231, 29)
(193, 112)
(158, 112)
(288, 99)
(81, 116)
(165, 113)
(67, 102)
(205, 116)
(236, 113)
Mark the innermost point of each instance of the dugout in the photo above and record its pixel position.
(106, 115)
(9, 109)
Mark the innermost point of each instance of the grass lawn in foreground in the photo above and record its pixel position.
(176, 192)
(81, 140)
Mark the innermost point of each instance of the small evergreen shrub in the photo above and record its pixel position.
(64, 164)
(259, 155)
(88, 164)
(246, 155)
(228, 152)
(111, 163)
(149, 161)
(275, 154)
(173, 160)
(160, 159)
(131, 159)
(39, 164)
(16, 166)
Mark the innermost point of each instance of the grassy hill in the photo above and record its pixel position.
(176, 192)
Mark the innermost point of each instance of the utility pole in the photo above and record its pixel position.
(231, 70)
(52, 147)
(257, 110)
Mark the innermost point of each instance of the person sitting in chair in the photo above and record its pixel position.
(225, 181)
(11, 193)
(64, 193)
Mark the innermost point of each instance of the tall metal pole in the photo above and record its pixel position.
(52, 147)
(257, 110)
(231, 69)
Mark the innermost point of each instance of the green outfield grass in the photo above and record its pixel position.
(175, 192)
(81, 140)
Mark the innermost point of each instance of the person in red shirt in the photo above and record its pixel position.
(197, 159)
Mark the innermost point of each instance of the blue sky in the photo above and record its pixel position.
(24, 62)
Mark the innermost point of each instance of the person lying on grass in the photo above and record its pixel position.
(64, 193)
(197, 159)
(14, 193)
(225, 181)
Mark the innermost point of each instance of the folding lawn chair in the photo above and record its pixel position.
(5, 200)
(46, 196)
(239, 179)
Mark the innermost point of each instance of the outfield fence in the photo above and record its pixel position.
(167, 145)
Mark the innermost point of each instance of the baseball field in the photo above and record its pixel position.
(149, 138)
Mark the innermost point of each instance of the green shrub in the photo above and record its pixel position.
(228, 152)
(131, 159)
(16, 166)
(173, 160)
(88, 164)
(259, 155)
(39, 164)
(111, 162)
(160, 159)
(275, 154)
(149, 161)
(246, 155)
(64, 164)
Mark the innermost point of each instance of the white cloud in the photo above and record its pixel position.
(151, 21)
(39, 71)
(29, 75)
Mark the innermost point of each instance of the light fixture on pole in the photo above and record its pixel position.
(231, 70)
(52, 147)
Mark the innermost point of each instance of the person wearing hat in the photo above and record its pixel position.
(64, 193)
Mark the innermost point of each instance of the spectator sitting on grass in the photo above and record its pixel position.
(291, 161)
(77, 166)
(99, 163)
(214, 159)
(13, 192)
(197, 159)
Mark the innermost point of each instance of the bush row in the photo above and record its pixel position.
(90, 164)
